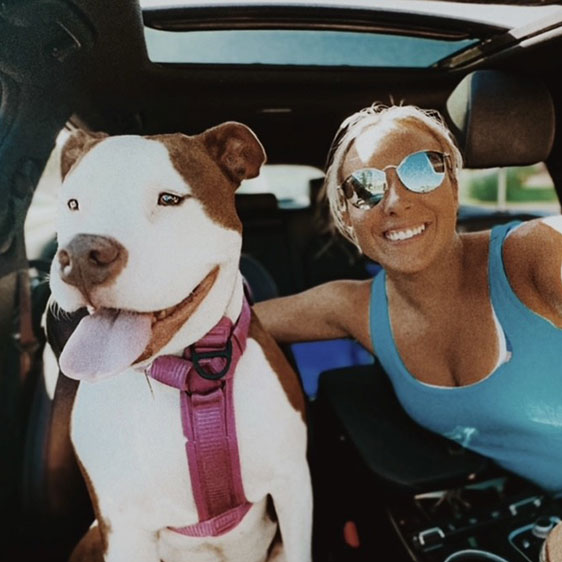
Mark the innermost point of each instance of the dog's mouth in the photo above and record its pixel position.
(166, 322)
(109, 340)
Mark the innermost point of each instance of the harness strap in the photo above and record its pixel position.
(204, 376)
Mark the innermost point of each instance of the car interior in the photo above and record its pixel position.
(384, 488)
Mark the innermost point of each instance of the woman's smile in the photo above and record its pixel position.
(405, 233)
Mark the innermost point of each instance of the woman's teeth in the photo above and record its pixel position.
(397, 235)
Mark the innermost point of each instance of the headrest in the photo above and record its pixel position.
(501, 119)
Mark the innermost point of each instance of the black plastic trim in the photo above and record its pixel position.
(315, 17)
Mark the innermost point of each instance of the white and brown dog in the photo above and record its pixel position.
(149, 241)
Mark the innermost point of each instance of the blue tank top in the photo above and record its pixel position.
(513, 416)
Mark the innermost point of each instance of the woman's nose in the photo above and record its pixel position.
(396, 198)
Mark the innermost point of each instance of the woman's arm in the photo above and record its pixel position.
(332, 310)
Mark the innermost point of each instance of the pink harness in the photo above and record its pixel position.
(204, 376)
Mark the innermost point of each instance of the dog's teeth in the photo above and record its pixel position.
(91, 309)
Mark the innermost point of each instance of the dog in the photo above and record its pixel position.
(149, 244)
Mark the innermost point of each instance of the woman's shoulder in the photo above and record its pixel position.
(532, 257)
(536, 244)
(532, 261)
(527, 245)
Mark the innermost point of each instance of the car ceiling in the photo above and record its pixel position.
(93, 56)
(86, 61)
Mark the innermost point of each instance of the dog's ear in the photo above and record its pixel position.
(236, 149)
(76, 146)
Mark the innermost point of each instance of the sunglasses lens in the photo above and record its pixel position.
(422, 171)
(367, 185)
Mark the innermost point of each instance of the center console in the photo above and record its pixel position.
(381, 459)
(501, 520)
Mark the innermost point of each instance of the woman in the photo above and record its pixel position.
(468, 326)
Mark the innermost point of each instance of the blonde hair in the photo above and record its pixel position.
(354, 125)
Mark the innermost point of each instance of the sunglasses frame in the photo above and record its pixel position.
(359, 203)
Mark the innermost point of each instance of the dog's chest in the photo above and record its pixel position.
(127, 432)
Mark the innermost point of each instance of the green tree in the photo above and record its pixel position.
(485, 187)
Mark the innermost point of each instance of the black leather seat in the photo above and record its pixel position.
(400, 455)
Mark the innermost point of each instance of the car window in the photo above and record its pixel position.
(298, 47)
(289, 183)
(521, 188)
(40, 220)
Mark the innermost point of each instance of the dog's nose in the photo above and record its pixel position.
(90, 260)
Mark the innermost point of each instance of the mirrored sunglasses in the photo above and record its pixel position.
(420, 172)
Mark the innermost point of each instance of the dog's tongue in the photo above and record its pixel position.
(105, 343)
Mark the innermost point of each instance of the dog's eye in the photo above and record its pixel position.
(169, 199)
(73, 204)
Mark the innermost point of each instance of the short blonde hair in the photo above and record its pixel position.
(355, 124)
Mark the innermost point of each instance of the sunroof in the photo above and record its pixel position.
(298, 47)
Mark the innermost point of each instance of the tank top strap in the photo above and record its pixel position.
(511, 312)
(495, 259)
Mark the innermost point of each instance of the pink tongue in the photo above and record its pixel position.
(105, 343)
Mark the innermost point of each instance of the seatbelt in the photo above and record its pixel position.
(204, 376)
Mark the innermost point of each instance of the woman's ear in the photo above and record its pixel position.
(78, 144)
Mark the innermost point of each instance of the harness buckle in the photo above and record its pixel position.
(226, 353)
